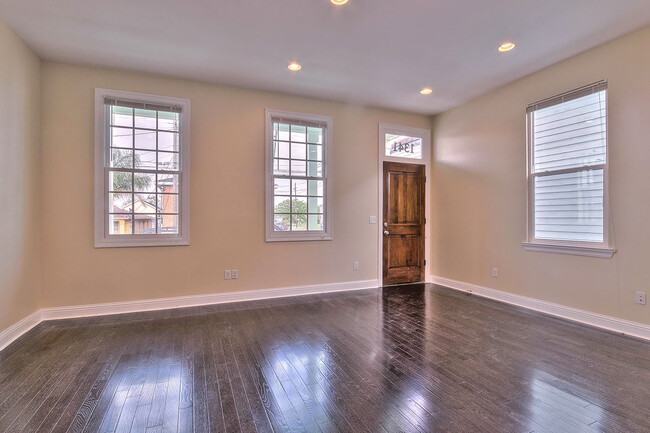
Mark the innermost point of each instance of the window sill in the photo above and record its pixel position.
(299, 238)
(130, 243)
(603, 253)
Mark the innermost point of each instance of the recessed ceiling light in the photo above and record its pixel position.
(293, 66)
(426, 91)
(506, 46)
(339, 2)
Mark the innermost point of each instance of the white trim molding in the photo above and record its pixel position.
(327, 124)
(597, 88)
(425, 135)
(103, 238)
(603, 253)
(200, 300)
(15, 331)
(602, 321)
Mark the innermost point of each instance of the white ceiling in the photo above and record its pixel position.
(375, 52)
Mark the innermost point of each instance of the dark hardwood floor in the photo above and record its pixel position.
(410, 358)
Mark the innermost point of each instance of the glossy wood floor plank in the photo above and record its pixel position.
(417, 358)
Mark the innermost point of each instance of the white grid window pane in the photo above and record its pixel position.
(168, 224)
(168, 141)
(281, 167)
(298, 168)
(281, 222)
(121, 137)
(121, 158)
(315, 222)
(315, 152)
(145, 139)
(120, 224)
(144, 171)
(145, 119)
(121, 116)
(298, 178)
(168, 121)
(281, 186)
(144, 182)
(144, 159)
(168, 183)
(120, 181)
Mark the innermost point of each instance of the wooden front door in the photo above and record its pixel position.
(403, 228)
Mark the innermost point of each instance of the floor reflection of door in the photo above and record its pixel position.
(403, 231)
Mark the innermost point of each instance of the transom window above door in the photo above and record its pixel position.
(298, 190)
(403, 146)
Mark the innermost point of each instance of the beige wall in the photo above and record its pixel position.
(20, 260)
(479, 187)
(478, 178)
(227, 220)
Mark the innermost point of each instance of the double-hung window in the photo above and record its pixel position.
(298, 177)
(568, 173)
(141, 170)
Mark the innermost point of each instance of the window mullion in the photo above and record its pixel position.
(568, 170)
(142, 170)
(281, 176)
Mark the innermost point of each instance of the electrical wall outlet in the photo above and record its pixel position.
(235, 274)
(640, 298)
(373, 220)
(495, 272)
(355, 266)
(227, 275)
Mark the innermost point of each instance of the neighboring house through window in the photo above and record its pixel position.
(141, 170)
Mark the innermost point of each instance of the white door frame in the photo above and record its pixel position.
(425, 135)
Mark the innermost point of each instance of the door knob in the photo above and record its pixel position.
(385, 224)
(386, 232)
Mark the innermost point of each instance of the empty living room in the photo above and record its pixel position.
(369, 216)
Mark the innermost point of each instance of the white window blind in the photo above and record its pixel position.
(568, 166)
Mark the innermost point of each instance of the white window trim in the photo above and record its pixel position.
(425, 135)
(588, 249)
(574, 250)
(102, 238)
(328, 233)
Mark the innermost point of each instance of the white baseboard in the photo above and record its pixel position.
(19, 328)
(199, 300)
(13, 332)
(594, 319)
(610, 323)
